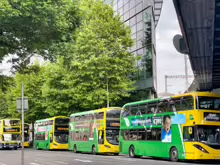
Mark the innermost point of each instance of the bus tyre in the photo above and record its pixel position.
(132, 152)
(93, 150)
(174, 154)
(75, 149)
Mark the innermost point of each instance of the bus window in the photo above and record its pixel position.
(125, 134)
(151, 107)
(101, 137)
(154, 134)
(142, 109)
(162, 107)
(100, 115)
(188, 133)
(187, 103)
(126, 111)
(134, 111)
(174, 105)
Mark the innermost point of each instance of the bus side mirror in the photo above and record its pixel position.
(190, 130)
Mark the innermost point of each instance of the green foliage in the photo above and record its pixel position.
(33, 79)
(101, 57)
(58, 95)
(36, 26)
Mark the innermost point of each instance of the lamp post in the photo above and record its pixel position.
(22, 105)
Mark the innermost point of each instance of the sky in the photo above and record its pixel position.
(169, 61)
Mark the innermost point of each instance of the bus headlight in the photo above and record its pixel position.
(200, 148)
(107, 146)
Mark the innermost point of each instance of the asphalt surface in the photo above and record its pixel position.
(38, 157)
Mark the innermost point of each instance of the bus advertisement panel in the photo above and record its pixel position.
(10, 133)
(51, 133)
(184, 126)
(95, 131)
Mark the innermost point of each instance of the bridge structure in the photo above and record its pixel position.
(199, 22)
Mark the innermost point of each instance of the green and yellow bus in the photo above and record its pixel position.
(26, 135)
(51, 133)
(185, 127)
(95, 131)
(10, 133)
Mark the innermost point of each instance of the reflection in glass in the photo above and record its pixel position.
(209, 134)
(61, 137)
(9, 123)
(11, 137)
(112, 136)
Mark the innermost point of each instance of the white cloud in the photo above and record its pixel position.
(169, 61)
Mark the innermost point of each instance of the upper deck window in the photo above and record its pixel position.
(211, 103)
(113, 113)
(9, 123)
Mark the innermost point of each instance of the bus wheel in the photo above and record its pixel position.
(132, 152)
(93, 150)
(174, 154)
(75, 149)
(116, 154)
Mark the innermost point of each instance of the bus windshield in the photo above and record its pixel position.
(61, 137)
(112, 136)
(211, 103)
(11, 137)
(113, 114)
(9, 123)
(209, 134)
(62, 121)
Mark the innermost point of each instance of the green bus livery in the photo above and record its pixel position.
(172, 127)
(95, 131)
(51, 133)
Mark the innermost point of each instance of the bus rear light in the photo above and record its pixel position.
(200, 148)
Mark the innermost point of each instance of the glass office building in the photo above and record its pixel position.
(142, 16)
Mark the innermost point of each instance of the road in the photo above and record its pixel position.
(38, 157)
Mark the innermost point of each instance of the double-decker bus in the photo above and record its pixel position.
(95, 131)
(52, 133)
(10, 133)
(26, 135)
(185, 127)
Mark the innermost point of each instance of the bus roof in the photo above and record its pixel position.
(51, 118)
(208, 94)
(94, 111)
(10, 119)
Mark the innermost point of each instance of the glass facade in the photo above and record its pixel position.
(139, 15)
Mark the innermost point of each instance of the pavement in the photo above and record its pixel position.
(39, 157)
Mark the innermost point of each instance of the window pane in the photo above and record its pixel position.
(140, 25)
(140, 35)
(187, 103)
(139, 17)
(126, 7)
(132, 21)
(132, 12)
(138, 8)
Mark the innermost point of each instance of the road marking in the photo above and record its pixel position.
(86, 161)
(35, 164)
(60, 162)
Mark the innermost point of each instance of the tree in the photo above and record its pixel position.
(29, 26)
(33, 79)
(101, 57)
(59, 96)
